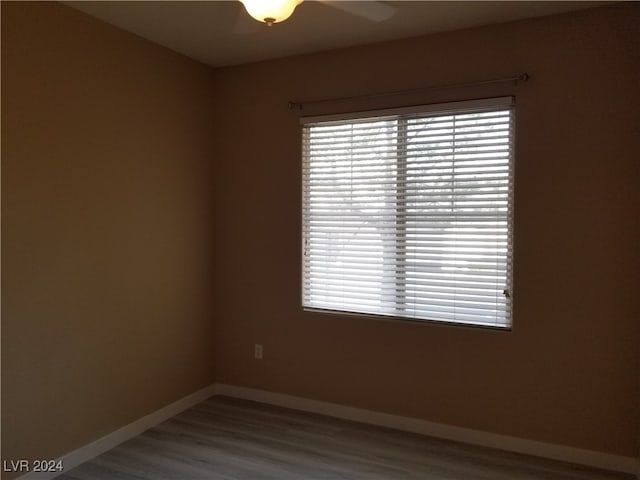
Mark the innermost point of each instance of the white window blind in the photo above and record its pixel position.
(407, 213)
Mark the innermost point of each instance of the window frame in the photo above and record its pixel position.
(437, 109)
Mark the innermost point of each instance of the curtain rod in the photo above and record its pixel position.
(523, 77)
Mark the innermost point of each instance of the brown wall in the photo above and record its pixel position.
(568, 372)
(107, 238)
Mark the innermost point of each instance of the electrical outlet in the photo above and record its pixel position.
(257, 351)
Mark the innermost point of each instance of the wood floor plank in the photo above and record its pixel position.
(230, 439)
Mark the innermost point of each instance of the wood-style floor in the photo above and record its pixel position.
(230, 439)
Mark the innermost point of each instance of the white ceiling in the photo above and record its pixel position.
(221, 33)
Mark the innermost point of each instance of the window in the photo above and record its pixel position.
(407, 213)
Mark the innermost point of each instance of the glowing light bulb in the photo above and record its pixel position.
(270, 11)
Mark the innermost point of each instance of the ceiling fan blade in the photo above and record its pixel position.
(371, 10)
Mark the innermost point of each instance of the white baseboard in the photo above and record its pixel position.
(589, 458)
(115, 438)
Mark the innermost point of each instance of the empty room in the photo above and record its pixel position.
(362, 240)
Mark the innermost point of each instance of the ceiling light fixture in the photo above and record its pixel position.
(270, 11)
